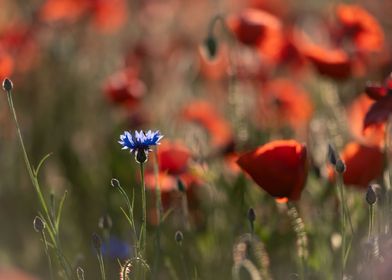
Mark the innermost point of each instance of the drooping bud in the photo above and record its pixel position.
(38, 224)
(105, 222)
(179, 237)
(211, 46)
(115, 183)
(7, 85)
(371, 196)
(97, 242)
(340, 166)
(141, 155)
(180, 185)
(251, 215)
(332, 158)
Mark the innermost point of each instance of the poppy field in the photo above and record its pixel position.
(195, 140)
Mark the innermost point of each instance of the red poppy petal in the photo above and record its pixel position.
(375, 91)
(378, 112)
(278, 167)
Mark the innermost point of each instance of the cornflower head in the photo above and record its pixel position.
(140, 143)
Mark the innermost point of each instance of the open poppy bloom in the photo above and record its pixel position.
(124, 88)
(361, 27)
(205, 114)
(363, 164)
(259, 29)
(328, 60)
(382, 107)
(278, 167)
(282, 102)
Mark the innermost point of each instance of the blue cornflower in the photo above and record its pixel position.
(140, 143)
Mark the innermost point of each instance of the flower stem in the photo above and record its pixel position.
(142, 239)
(33, 174)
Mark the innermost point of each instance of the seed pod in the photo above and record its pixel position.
(141, 156)
(332, 158)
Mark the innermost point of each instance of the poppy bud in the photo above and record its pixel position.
(371, 196)
(332, 158)
(105, 222)
(97, 242)
(251, 215)
(7, 85)
(38, 224)
(180, 185)
(340, 166)
(211, 45)
(115, 183)
(140, 156)
(178, 237)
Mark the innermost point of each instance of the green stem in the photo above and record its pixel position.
(53, 234)
(142, 238)
(101, 265)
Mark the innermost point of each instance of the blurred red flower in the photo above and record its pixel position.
(361, 27)
(173, 164)
(356, 111)
(279, 167)
(124, 88)
(8, 273)
(363, 164)
(283, 102)
(259, 29)
(205, 114)
(380, 110)
(107, 15)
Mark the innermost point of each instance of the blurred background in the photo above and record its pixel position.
(86, 70)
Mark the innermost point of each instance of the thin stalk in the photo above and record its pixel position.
(142, 237)
(101, 265)
(47, 255)
(158, 206)
(371, 220)
(53, 234)
(345, 217)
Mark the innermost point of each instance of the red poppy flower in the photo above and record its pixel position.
(380, 110)
(207, 116)
(356, 111)
(173, 163)
(6, 65)
(363, 164)
(259, 29)
(283, 102)
(361, 27)
(107, 15)
(279, 167)
(125, 88)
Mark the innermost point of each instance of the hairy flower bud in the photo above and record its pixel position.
(371, 196)
(179, 237)
(38, 224)
(211, 46)
(115, 183)
(7, 85)
(340, 166)
(251, 215)
(97, 242)
(105, 222)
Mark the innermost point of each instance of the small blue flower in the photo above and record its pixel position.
(140, 143)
